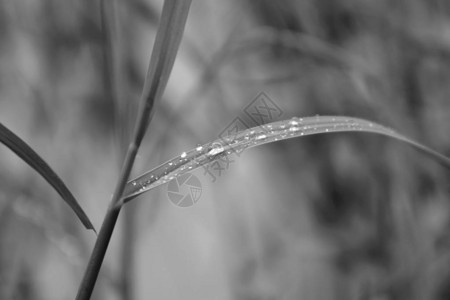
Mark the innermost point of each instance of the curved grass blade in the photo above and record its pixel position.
(260, 135)
(27, 154)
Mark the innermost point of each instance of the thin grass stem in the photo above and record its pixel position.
(166, 45)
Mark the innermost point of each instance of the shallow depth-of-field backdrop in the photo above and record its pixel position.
(338, 216)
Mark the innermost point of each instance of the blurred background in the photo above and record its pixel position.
(339, 216)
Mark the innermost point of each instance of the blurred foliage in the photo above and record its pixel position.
(342, 216)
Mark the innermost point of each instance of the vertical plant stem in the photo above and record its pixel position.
(98, 254)
(104, 236)
(165, 49)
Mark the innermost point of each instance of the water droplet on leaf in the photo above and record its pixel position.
(293, 122)
(216, 149)
(261, 137)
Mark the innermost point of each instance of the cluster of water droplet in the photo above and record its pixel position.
(263, 134)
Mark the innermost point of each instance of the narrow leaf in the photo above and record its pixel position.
(165, 49)
(27, 154)
(260, 135)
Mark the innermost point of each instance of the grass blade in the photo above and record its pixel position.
(27, 154)
(260, 135)
(165, 49)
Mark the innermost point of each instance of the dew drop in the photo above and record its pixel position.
(183, 155)
(261, 137)
(216, 149)
(294, 129)
(293, 122)
(199, 148)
